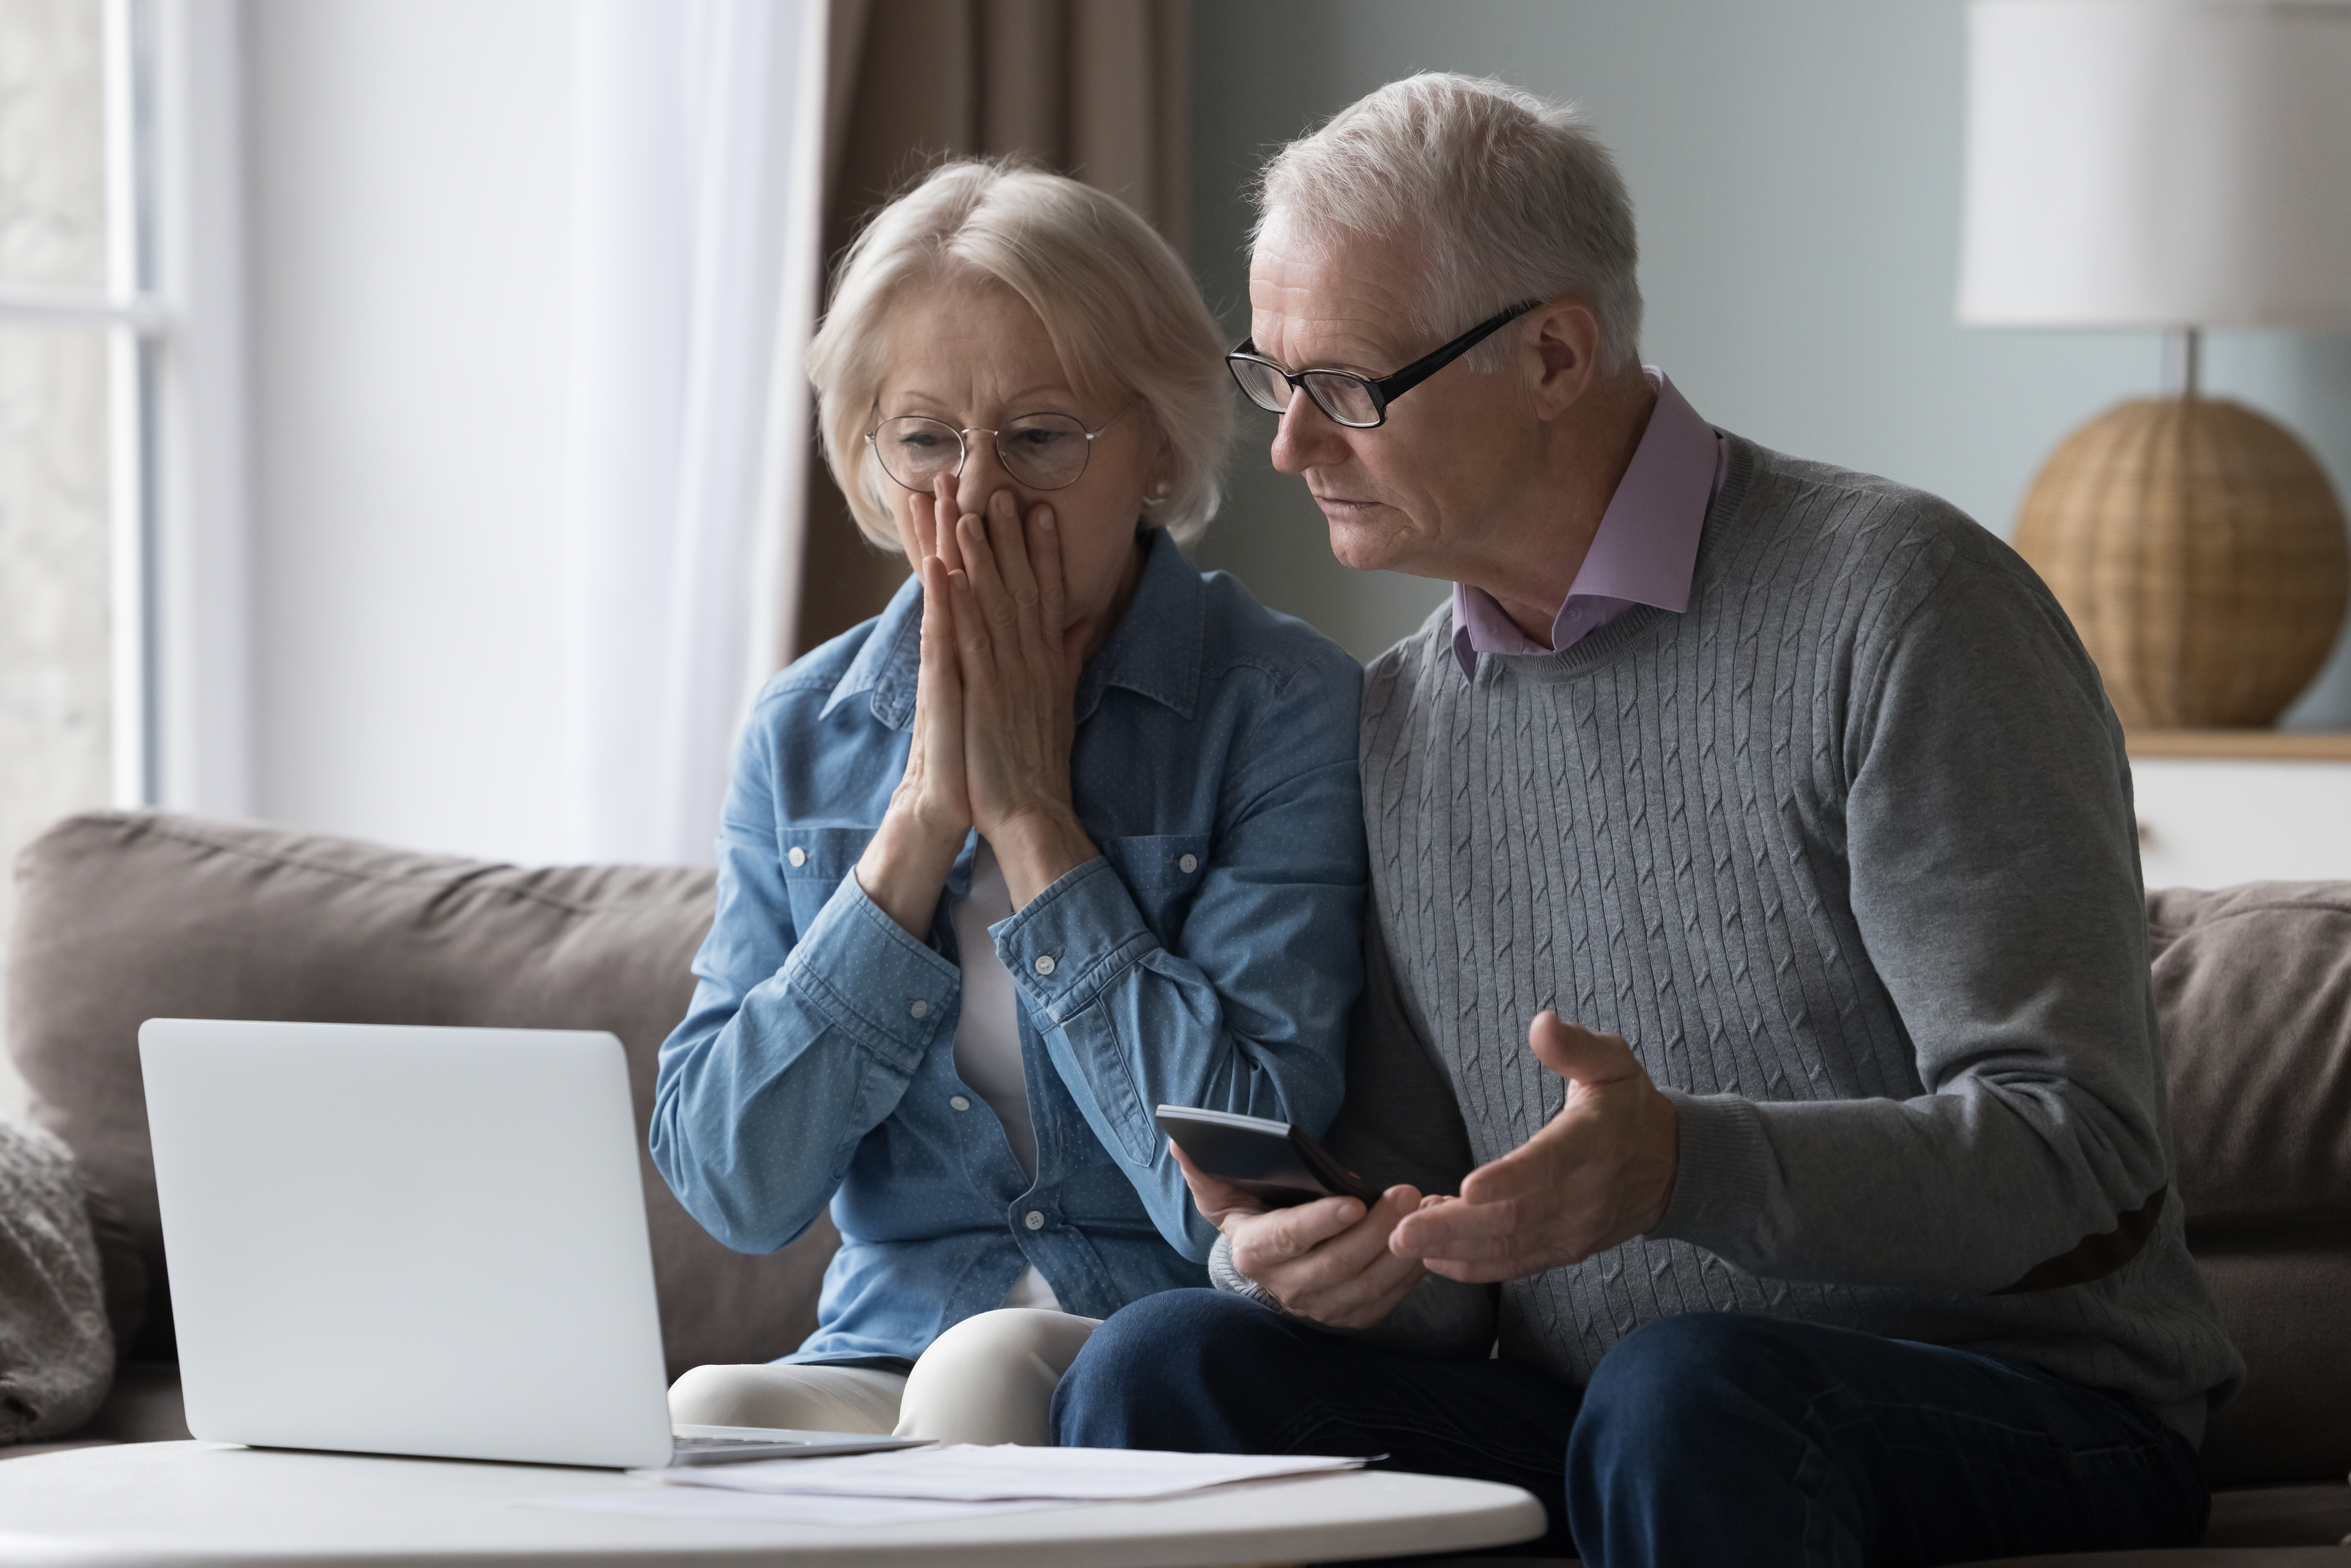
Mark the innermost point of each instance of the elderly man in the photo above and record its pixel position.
(1778, 811)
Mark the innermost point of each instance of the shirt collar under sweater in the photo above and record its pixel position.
(1645, 550)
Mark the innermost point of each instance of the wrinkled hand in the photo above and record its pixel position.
(1019, 668)
(1599, 1173)
(923, 829)
(936, 787)
(1019, 682)
(1329, 1260)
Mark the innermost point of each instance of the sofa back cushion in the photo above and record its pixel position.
(126, 916)
(2252, 987)
(122, 917)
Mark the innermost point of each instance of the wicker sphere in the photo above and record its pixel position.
(2200, 552)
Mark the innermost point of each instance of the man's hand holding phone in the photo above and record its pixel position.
(1328, 1259)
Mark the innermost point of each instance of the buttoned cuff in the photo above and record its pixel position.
(1072, 940)
(883, 988)
(1722, 1176)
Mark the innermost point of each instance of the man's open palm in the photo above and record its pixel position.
(1599, 1173)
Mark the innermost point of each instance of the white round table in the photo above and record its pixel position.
(159, 1504)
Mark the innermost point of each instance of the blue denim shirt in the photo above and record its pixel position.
(1207, 958)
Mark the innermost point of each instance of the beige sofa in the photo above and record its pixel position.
(124, 917)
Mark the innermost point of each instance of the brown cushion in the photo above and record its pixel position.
(2287, 1303)
(145, 1406)
(2187, 1557)
(2252, 989)
(2252, 985)
(122, 917)
(122, 1266)
(2281, 1516)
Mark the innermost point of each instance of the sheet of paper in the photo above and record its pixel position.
(792, 1507)
(966, 1473)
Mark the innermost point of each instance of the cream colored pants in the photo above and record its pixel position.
(989, 1379)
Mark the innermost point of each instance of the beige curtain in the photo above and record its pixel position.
(1097, 89)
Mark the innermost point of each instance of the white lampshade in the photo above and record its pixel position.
(2158, 163)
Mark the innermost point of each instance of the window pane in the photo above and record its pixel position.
(52, 145)
(53, 688)
(53, 576)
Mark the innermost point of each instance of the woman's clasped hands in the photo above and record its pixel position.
(994, 710)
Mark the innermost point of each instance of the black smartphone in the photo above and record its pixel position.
(1272, 1160)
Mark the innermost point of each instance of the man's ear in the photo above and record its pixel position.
(1564, 344)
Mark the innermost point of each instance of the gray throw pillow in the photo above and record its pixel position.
(56, 1351)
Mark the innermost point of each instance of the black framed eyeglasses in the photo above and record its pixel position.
(1359, 402)
(1042, 451)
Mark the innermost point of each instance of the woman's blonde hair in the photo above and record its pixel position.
(1121, 311)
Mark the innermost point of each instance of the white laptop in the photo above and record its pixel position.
(408, 1241)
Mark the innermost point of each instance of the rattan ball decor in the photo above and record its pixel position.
(2200, 552)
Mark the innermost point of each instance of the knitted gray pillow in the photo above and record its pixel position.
(57, 1353)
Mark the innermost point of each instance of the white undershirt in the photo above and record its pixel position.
(988, 1037)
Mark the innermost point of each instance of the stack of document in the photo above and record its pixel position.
(955, 1482)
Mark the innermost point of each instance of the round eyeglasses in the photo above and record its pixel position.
(1359, 402)
(1041, 451)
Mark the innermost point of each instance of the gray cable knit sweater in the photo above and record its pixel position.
(1847, 851)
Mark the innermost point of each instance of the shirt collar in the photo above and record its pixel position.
(1645, 548)
(1154, 651)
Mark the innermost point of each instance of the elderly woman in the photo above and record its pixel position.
(1069, 832)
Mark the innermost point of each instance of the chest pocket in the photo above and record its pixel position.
(1162, 871)
(814, 860)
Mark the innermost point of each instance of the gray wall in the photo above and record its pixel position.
(1795, 166)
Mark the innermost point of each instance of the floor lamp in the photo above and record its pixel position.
(2180, 164)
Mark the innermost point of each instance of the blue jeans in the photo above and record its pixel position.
(1712, 1437)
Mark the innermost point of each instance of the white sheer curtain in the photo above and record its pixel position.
(697, 200)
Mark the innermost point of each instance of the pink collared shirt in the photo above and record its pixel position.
(1645, 550)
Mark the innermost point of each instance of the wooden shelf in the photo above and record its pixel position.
(2242, 745)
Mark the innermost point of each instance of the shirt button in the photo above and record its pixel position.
(918, 1007)
(798, 856)
(1188, 865)
(959, 1103)
(1044, 967)
(1035, 1221)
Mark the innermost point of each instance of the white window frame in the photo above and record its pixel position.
(172, 310)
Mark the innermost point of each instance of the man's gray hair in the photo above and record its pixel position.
(1508, 196)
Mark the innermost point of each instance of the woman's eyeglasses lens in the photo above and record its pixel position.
(1042, 451)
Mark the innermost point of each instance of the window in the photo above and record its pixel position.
(79, 329)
